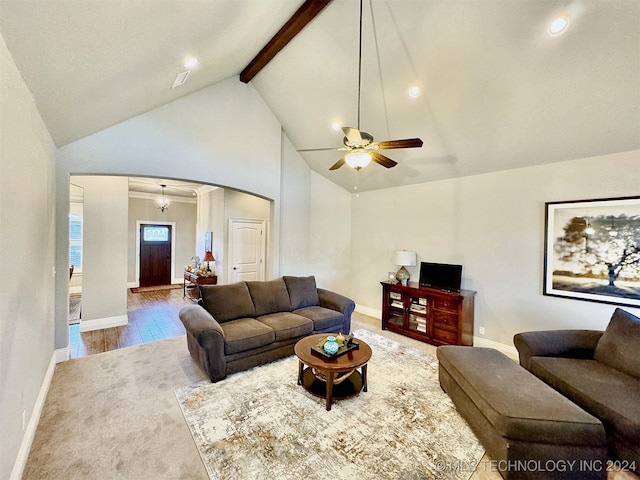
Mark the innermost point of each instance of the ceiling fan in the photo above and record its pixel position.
(360, 145)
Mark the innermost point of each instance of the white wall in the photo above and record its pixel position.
(295, 212)
(211, 219)
(27, 234)
(330, 234)
(105, 247)
(493, 224)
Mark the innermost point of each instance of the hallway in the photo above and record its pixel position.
(152, 316)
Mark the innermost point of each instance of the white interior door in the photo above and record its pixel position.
(247, 243)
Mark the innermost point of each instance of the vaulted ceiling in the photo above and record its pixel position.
(497, 91)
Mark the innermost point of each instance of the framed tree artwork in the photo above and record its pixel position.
(592, 250)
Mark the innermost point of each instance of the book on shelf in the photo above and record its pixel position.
(418, 308)
(396, 304)
(421, 322)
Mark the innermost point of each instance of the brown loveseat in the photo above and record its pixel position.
(599, 371)
(241, 325)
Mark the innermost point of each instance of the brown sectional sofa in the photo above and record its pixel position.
(238, 326)
(599, 371)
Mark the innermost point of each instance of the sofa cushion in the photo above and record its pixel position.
(619, 346)
(605, 392)
(302, 291)
(287, 325)
(269, 296)
(245, 334)
(323, 319)
(227, 302)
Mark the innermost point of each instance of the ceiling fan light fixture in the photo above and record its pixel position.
(358, 159)
(336, 126)
(414, 91)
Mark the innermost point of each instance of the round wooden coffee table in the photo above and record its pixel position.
(333, 378)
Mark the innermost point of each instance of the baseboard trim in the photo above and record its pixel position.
(132, 285)
(62, 354)
(100, 323)
(372, 312)
(30, 431)
(76, 289)
(509, 350)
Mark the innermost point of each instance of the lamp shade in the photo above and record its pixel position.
(405, 258)
(208, 257)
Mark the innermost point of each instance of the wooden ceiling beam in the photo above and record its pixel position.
(303, 16)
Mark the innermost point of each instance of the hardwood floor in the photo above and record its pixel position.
(152, 316)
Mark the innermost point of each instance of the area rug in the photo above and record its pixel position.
(75, 308)
(156, 288)
(260, 424)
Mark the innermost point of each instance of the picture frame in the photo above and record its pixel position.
(391, 277)
(592, 250)
(208, 241)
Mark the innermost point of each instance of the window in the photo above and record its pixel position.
(75, 240)
(155, 233)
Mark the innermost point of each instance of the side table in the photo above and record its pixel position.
(197, 280)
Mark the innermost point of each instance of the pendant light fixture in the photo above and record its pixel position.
(163, 202)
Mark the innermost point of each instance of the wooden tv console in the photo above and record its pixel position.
(429, 315)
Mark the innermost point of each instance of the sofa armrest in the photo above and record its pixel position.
(204, 330)
(340, 303)
(556, 343)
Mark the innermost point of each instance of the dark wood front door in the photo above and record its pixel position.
(155, 255)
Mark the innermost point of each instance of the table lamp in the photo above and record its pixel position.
(208, 257)
(404, 258)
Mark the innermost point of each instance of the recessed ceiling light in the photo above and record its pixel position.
(414, 91)
(558, 26)
(336, 126)
(190, 62)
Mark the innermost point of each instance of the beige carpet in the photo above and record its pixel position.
(114, 416)
(262, 425)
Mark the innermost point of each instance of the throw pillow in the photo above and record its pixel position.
(227, 302)
(302, 291)
(619, 346)
(269, 296)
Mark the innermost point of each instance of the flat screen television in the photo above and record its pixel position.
(442, 276)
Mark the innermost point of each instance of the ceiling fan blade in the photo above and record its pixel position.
(352, 134)
(382, 160)
(338, 164)
(406, 143)
(318, 149)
